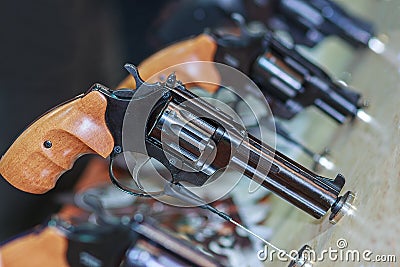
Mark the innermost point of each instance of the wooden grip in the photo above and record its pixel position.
(46, 248)
(79, 127)
(201, 48)
(50, 146)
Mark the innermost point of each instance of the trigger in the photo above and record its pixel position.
(135, 161)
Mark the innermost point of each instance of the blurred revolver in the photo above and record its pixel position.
(289, 81)
(127, 241)
(308, 22)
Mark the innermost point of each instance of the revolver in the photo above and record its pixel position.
(113, 241)
(288, 80)
(308, 22)
(193, 139)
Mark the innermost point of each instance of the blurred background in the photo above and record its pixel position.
(51, 51)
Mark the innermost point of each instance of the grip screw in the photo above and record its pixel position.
(47, 144)
(117, 149)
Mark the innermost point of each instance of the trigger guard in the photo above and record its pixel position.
(123, 188)
(139, 163)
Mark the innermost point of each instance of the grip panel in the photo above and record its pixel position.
(74, 129)
(200, 48)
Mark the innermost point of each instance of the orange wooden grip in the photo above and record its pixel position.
(79, 127)
(75, 128)
(200, 48)
(46, 248)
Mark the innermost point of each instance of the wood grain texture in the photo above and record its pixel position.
(74, 129)
(201, 48)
